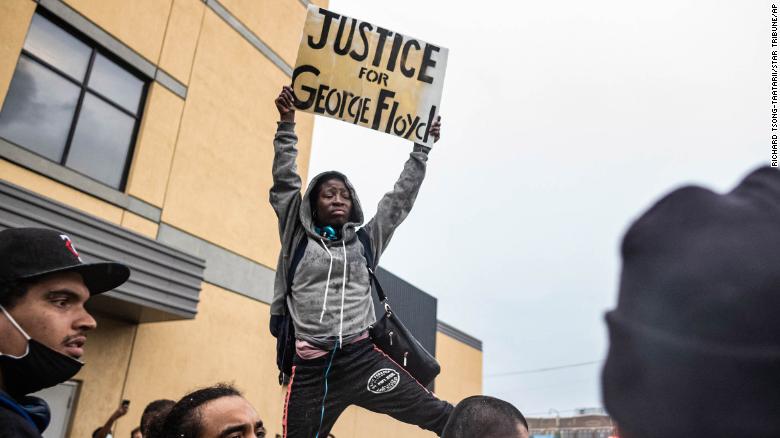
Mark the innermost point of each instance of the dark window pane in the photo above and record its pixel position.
(54, 45)
(116, 83)
(38, 109)
(101, 141)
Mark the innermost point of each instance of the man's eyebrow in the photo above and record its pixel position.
(230, 429)
(63, 292)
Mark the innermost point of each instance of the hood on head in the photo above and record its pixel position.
(695, 330)
(355, 219)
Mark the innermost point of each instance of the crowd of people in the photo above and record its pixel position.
(694, 340)
(45, 286)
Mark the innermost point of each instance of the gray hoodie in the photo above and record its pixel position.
(331, 299)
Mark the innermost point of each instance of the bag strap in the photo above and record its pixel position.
(369, 255)
(300, 249)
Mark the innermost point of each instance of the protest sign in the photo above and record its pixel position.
(367, 75)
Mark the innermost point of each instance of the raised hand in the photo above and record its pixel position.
(435, 129)
(284, 104)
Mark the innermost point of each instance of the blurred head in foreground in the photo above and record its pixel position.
(695, 338)
(485, 417)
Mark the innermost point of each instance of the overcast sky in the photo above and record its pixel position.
(562, 121)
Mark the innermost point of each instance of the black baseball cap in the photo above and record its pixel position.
(29, 253)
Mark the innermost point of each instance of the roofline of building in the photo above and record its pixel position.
(459, 335)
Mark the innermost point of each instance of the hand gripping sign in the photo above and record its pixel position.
(366, 75)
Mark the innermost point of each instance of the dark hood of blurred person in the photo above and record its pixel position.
(695, 338)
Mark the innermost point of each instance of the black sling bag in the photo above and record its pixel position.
(392, 336)
(388, 333)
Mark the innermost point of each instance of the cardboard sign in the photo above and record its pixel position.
(366, 75)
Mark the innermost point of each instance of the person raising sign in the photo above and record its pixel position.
(336, 364)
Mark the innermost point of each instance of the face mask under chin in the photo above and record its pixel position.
(38, 368)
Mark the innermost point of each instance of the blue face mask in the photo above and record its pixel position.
(327, 232)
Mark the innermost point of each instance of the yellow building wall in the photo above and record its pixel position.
(461, 371)
(139, 23)
(155, 146)
(106, 356)
(15, 16)
(221, 173)
(140, 225)
(181, 38)
(228, 341)
(278, 23)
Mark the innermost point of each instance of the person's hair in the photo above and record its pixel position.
(154, 426)
(133, 432)
(153, 410)
(485, 417)
(11, 291)
(184, 418)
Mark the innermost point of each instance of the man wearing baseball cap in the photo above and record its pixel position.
(44, 285)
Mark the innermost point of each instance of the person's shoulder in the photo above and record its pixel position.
(14, 425)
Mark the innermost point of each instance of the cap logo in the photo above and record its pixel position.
(71, 247)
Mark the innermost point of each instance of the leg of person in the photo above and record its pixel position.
(310, 411)
(385, 387)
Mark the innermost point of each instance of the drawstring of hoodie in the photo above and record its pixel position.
(343, 286)
(327, 282)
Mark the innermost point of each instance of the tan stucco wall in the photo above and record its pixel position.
(15, 16)
(181, 38)
(205, 161)
(140, 225)
(106, 356)
(228, 341)
(139, 23)
(278, 23)
(156, 143)
(461, 371)
(221, 171)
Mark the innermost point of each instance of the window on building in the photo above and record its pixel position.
(70, 102)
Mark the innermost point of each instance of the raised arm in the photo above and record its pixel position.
(396, 204)
(286, 189)
(106, 428)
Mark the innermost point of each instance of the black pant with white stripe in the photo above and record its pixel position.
(357, 374)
